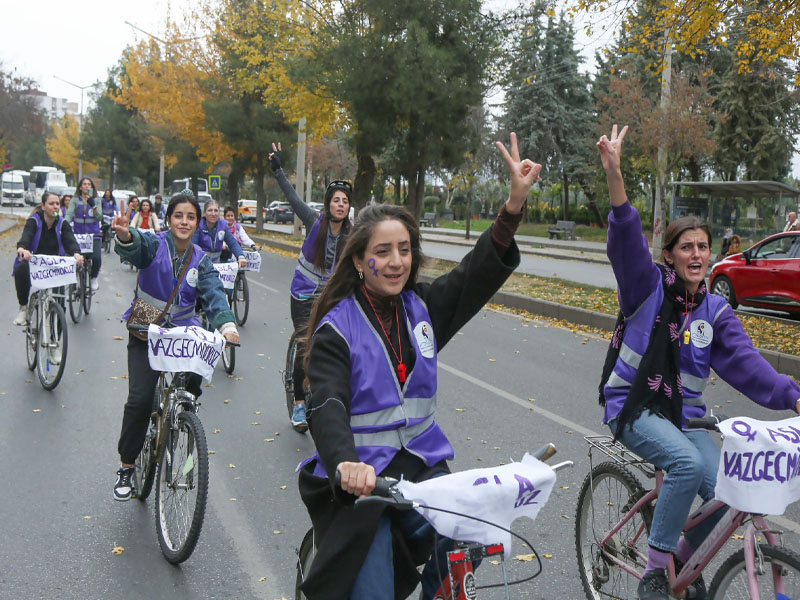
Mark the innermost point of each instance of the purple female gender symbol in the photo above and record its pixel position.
(371, 265)
(744, 430)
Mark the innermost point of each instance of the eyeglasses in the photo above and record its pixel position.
(339, 184)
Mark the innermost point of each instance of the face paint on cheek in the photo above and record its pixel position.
(371, 265)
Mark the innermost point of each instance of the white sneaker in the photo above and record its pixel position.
(21, 318)
(95, 284)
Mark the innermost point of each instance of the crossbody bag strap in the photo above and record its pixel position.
(182, 275)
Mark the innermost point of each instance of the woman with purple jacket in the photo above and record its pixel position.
(670, 333)
(375, 334)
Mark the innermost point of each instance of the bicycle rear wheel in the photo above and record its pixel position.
(75, 299)
(52, 351)
(730, 581)
(288, 374)
(182, 489)
(241, 299)
(32, 332)
(145, 463)
(304, 557)
(229, 358)
(607, 493)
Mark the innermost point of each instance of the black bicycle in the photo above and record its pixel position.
(79, 295)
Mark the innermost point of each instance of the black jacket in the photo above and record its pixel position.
(344, 532)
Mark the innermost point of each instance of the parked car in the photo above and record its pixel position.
(269, 210)
(766, 275)
(283, 213)
(248, 211)
(202, 198)
(317, 206)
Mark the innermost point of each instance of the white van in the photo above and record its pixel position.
(12, 189)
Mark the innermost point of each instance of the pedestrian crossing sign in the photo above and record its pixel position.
(213, 182)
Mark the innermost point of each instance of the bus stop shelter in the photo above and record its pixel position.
(752, 209)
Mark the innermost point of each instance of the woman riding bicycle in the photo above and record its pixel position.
(86, 215)
(238, 233)
(146, 218)
(372, 370)
(213, 236)
(160, 259)
(325, 237)
(47, 233)
(108, 206)
(670, 332)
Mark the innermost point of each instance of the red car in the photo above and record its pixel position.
(767, 275)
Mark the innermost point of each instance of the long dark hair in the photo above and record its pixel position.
(345, 280)
(80, 183)
(180, 199)
(322, 234)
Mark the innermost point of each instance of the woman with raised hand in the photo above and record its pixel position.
(326, 232)
(670, 332)
(375, 334)
(161, 259)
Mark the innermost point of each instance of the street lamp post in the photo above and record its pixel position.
(80, 124)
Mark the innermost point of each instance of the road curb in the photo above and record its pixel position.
(783, 363)
(525, 249)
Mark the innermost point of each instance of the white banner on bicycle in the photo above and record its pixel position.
(51, 271)
(85, 242)
(227, 273)
(253, 261)
(190, 349)
(759, 470)
(497, 494)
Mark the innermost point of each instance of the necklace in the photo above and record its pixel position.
(401, 367)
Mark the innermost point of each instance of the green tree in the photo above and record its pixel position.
(406, 72)
(548, 102)
(23, 127)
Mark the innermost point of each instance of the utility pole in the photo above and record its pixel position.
(80, 124)
(661, 168)
(300, 181)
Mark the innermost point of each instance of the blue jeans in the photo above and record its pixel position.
(375, 580)
(689, 460)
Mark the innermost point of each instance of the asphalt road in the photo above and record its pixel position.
(507, 385)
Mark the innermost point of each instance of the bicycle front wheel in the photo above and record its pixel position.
(229, 358)
(75, 299)
(182, 489)
(607, 494)
(241, 300)
(52, 350)
(32, 333)
(304, 557)
(288, 374)
(86, 284)
(777, 572)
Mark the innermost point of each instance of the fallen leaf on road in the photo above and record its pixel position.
(232, 499)
(255, 423)
(531, 399)
(547, 555)
(37, 410)
(217, 430)
(262, 578)
(87, 517)
(525, 557)
(276, 532)
(269, 439)
(227, 401)
(231, 466)
(117, 337)
(117, 550)
(495, 562)
(259, 354)
(283, 487)
(492, 360)
(258, 412)
(461, 410)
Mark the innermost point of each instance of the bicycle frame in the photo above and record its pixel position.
(166, 414)
(702, 556)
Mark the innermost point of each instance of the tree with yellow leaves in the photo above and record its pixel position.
(63, 146)
(757, 30)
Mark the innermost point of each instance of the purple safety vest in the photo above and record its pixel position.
(695, 356)
(83, 221)
(156, 282)
(210, 240)
(308, 278)
(385, 416)
(38, 236)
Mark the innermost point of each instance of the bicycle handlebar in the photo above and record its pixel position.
(709, 422)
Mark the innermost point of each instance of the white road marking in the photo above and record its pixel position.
(781, 522)
(258, 283)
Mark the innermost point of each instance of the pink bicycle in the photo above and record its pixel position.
(613, 520)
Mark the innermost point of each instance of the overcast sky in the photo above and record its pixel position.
(53, 37)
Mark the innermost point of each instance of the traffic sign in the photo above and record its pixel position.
(214, 182)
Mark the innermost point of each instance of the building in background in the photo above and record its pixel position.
(54, 108)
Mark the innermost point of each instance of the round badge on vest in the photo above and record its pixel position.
(220, 235)
(423, 333)
(191, 277)
(702, 333)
